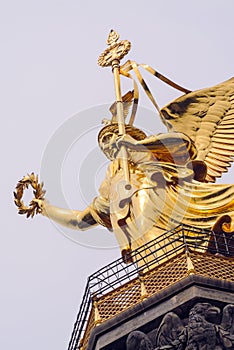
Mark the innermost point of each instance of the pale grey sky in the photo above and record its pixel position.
(49, 73)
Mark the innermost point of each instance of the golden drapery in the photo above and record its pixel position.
(164, 196)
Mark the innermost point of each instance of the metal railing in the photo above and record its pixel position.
(162, 248)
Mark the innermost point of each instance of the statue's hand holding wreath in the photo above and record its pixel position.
(37, 203)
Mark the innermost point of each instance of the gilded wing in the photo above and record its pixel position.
(207, 117)
(127, 101)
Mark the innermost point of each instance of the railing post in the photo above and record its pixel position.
(144, 294)
(97, 317)
(190, 266)
(81, 343)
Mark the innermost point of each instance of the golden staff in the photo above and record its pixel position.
(111, 57)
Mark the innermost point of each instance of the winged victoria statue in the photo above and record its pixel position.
(155, 183)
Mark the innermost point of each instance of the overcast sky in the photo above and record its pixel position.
(53, 97)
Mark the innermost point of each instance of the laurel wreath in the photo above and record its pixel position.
(38, 192)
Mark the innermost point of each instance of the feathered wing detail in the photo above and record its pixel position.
(226, 329)
(127, 102)
(170, 330)
(138, 341)
(207, 117)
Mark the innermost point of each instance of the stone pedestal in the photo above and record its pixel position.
(198, 309)
(183, 300)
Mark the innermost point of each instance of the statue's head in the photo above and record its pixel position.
(108, 135)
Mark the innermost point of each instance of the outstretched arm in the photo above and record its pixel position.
(169, 147)
(165, 140)
(74, 219)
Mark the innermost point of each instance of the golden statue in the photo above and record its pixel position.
(156, 183)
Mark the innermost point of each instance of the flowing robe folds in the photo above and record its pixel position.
(164, 195)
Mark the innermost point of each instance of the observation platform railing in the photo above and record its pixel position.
(150, 257)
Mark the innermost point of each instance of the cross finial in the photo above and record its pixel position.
(113, 37)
